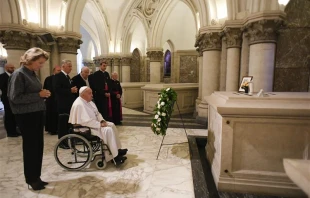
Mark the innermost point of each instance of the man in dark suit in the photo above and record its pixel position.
(9, 119)
(116, 94)
(64, 92)
(100, 84)
(51, 118)
(81, 79)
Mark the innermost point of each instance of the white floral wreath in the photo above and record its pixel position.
(163, 111)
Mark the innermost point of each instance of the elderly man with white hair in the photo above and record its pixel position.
(84, 112)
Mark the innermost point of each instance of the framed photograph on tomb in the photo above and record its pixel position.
(244, 82)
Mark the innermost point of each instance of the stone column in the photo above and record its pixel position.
(109, 65)
(210, 44)
(16, 44)
(45, 71)
(68, 50)
(198, 100)
(233, 41)
(116, 65)
(262, 40)
(245, 53)
(126, 62)
(156, 57)
(223, 69)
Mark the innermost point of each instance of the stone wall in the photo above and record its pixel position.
(292, 64)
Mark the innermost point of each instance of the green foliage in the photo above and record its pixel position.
(163, 110)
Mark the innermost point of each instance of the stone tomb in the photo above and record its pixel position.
(249, 136)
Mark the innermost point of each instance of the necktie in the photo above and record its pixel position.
(69, 78)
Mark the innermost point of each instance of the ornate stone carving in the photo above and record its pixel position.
(263, 31)
(233, 37)
(88, 63)
(15, 39)
(116, 61)
(209, 41)
(38, 43)
(68, 45)
(97, 61)
(126, 61)
(155, 56)
(147, 8)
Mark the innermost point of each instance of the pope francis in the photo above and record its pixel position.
(84, 112)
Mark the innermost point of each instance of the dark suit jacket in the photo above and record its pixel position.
(4, 87)
(64, 97)
(79, 82)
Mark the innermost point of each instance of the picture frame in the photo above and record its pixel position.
(245, 79)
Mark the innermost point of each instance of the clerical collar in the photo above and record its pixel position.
(64, 72)
(9, 74)
(83, 78)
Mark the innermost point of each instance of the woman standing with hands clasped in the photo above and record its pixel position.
(26, 98)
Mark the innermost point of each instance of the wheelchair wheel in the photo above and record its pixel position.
(101, 164)
(73, 152)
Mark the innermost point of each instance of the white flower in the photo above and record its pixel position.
(162, 103)
(158, 106)
(167, 99)
(154, 125)
(156, 116)
(158, 102)
(159, 119)
(167, 89)
(158, 124)
(158, 112)
(157, 129)
(163, 114)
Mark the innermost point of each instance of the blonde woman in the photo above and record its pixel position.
(26, 98)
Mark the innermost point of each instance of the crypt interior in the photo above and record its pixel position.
(221, 142)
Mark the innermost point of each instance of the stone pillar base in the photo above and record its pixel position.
(202, 111)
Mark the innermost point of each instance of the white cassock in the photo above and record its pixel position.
(86, 114)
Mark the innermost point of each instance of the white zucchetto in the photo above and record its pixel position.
(82, 89)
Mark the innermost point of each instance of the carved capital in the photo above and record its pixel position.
(200, 52)
(126, 61)
(96, 61)
(263, 31)
(233, 37)
(116, 61)
(40, 44)
(15, 39)
(211, 41)
(88, 63)
(155, 56)
(68, 45)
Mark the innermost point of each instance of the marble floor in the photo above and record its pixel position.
(141, 176)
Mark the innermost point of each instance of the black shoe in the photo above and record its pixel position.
(36, 185)
(119, 160)
(122, 151)
(42, 182)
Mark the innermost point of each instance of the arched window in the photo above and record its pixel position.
(167, 64)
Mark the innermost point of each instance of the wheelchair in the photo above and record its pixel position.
(77, 150)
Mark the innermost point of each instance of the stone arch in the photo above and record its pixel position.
(10, 12)
(98, 28)
(161, 18)
(74, 14)
(129, 30)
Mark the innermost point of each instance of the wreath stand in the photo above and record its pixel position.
(167, 128)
